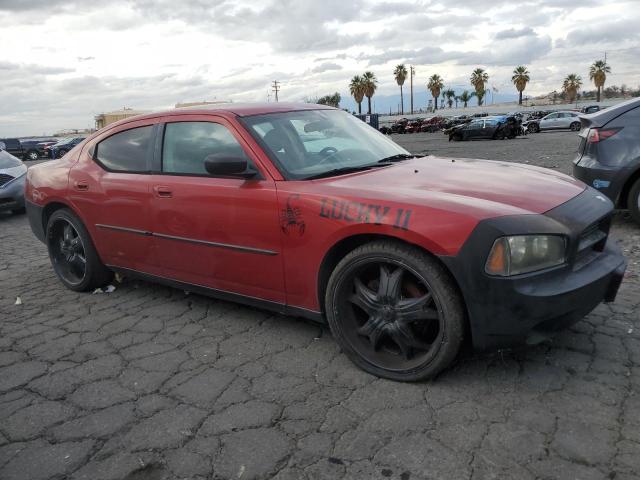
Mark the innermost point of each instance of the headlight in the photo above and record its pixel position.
(525, 253)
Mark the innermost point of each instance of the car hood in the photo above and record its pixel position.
(480, 188)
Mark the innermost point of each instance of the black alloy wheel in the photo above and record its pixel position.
(67, 252)
(575, 127)
(72, 253)
(61, 153)
(395, 311)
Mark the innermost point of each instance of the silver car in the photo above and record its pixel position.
(558, 120)
(12, 179)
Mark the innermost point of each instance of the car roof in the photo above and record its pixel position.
(234, 109)
(605, 115)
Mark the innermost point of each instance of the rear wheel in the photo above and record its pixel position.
(575, 127)
(395, 311)
(33, 155)
(633, 201)
(72, 253)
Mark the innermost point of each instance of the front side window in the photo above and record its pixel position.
(310, 143)
(187, 144)
(126, 151)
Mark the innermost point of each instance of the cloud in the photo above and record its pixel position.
(514, 33)
(31, 69)
(605, 32)
(325, 67)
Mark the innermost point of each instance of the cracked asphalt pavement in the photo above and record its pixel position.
(149, 383)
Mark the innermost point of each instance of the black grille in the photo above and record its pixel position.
(4, 178)
(592, 241)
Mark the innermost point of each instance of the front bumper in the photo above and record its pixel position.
(506, 311)
(12, 194)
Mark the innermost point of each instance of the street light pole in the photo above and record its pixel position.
(413, 72)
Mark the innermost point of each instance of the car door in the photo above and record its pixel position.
(217, 232)
(564, 120)
(549, 122)
(109, 187)
(473, 129)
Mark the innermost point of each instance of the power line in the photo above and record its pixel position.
(276, 88)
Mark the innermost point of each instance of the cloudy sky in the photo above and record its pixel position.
(63, 61)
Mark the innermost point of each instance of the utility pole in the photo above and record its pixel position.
(268, 96)
(276, 88)
(413, 72)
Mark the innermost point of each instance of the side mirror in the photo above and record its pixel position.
(228, 166)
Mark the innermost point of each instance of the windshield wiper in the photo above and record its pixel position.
(397, 158)
(342, 171)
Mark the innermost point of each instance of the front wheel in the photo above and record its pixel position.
(61, 153)
(33, 155)
(633, 202)
(72, 253)
(395, 311)
(533, 128)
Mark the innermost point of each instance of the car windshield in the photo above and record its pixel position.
(8, 161)
(314, 143)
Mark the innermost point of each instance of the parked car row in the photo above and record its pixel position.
(34, 149)
(12, 179)
(532, 122)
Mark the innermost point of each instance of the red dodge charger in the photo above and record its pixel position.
(308, 211)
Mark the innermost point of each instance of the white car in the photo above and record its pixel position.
(559, 120)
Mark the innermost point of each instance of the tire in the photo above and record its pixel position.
(61, 153)
(633, 201)
(32, 155)
(575, 127)
(378, 335)
(533, 128)
(77, 265)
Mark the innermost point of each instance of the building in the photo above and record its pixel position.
(104, 119)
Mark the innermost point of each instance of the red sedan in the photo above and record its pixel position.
(308, 211)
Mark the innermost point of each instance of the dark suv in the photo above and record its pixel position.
(609, 154)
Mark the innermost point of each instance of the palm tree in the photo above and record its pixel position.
(356, 88)
(451, 94)
(520, 79)
(370, 84)
(571, 85)
(434, 86)
(465, 97)
(598, 73)
(478, 79)
(400, 73)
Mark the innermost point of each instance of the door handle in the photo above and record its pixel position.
(81, 186)
(162, 191)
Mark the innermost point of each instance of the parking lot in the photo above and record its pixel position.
(149, 382)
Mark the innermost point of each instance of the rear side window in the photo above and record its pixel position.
(187, 144)
(126, 151)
